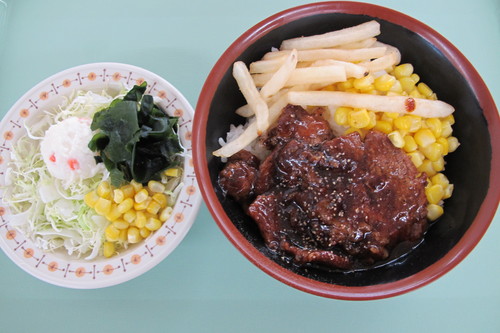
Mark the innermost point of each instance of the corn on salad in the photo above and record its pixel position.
(134, 210)
(425, 140)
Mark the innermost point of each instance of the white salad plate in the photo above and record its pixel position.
(59, 268)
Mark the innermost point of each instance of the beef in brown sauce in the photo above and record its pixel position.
(332, 201)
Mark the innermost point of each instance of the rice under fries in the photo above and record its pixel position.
(361, 84)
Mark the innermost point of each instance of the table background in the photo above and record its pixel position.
(206, 285)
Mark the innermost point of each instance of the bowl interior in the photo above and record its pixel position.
(468, 167)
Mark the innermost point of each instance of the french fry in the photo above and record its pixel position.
(308, 75)
(252, 96)
(334, 38)
(336, 54)
(351, 70)
(250, 132)
(359, 45)
(280, 77)
(244, 111)
(400, 104)
(267, 66)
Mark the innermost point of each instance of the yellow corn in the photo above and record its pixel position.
(446, 128)
(340, 115)
(156, 187)
(434, 211)
(153, 207)
(358, 118)
(123, 235)
(384, 82)
(415, 77)
(452, 144)
(427, 168)
(416, 123)
(91, 198)
(136, 186)
(434, 124)
(153, 224)
(165, 214)
(140, 219)
(403, 70)
(173, 172)
(448, 191)
(440, 179)
(434, 194)
(364, 83)
(111, 233)
(118, 195)
(432, 151)
(141, 196)
(104, 190)
(108, 249)
(444, 143)
(125, 205)
(129, 216)
(121, 224)
(113, 213)
(438, 165)
(343, 86)
(133, 235)
(128, 191)
(424, 90)
(416, 158)
(403, 123)
(396, 139)
(143, 204)
(383, 126)
(410, 144)
(424, 137)
(102, 206)
(160, 198)
(396, 89)
(407, 84)
(144, 232)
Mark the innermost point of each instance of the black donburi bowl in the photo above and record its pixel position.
(468, 212)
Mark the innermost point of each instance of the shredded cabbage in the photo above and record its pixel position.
(49, 212)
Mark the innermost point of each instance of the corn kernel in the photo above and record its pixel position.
(427, 168)
(358, 118)
(416, 158)
(434, 194)
(118, 195)
(424, 137)
(141, 196)
(396, 139)
(416, 123)
(113, 213)
(396, 88)
(136, 186)
(448, 191)
(153, 224)
(102, 206)
(444, 143)
(120, 224)
(128, 191)
(383, 126)
(123, 235)
(434, 212)
(111, 233)
(156, 186)
(165, 214)
(403, 70)
(440, 179)
(364, 83)
(415, 77)
(144, 232)
(407, 84)
(410, 144)
(415, 94)
(142, 205)
(104, 190)
(125, 205)
(91, 198)
(173, 172)
(432, 151)
(403, 123)
(434, 124)
(438, 165)
(140, 219)
(129, 216)
(160, 198)
(424, 90)
(450, 118)
(384, 82)
(133, 235)
(108, 249)
(452, 144)
(446, 131)
(153, 207)
(340, 115)
(342, 86)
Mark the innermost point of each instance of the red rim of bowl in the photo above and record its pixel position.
(429, 274)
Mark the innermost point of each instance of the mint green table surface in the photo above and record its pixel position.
(206, 285)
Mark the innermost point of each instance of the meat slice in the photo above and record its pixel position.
(296, 123)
